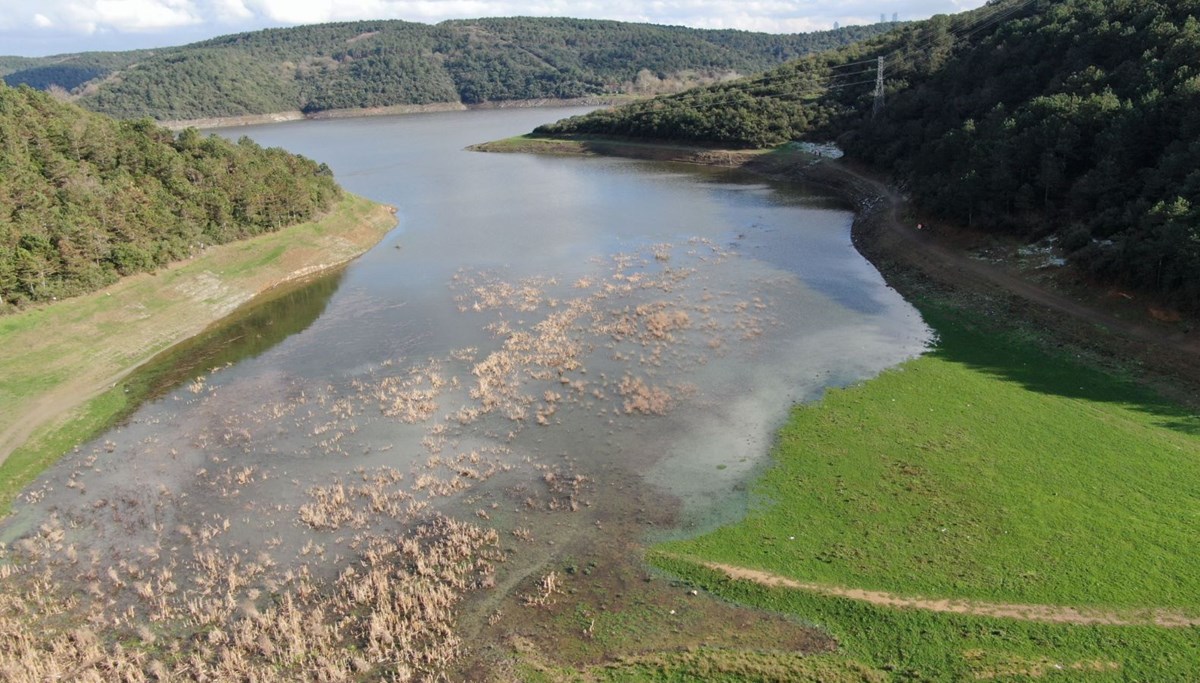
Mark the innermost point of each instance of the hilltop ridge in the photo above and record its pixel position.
(387, 63)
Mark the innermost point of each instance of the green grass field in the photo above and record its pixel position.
(712, 665)
(915, 645)
(986, 470)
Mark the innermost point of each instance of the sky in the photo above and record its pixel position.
(35, 28)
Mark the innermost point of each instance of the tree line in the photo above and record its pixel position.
(1077, 120)
(85, 199)
(379, 63)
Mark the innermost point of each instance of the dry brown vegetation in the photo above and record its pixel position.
(389, 613)
(272, 533)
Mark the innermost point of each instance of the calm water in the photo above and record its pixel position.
(610, 318)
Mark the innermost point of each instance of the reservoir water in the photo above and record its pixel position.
(538, 337)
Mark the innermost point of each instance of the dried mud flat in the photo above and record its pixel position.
(270, 528)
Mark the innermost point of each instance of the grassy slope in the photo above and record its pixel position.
(984, 470)
(58, 363)
(987, 470)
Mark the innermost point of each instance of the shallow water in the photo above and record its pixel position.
(815, 313)
(536, 332)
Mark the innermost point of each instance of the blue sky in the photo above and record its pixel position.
(42, 27)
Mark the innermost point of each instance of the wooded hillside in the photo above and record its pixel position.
(85, 199)
(380, 63)
(1076, 119)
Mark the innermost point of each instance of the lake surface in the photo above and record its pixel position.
(537, 334)
(828, 319)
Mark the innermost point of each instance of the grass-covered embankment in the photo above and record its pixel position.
(59, 364)
(986, 470)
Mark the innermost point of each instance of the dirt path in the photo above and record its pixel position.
(1055, 614)
(882, 234)
(926, 250)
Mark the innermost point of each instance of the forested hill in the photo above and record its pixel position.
(1074, 119)
(66, 73)
(380, 63)
(85, 199)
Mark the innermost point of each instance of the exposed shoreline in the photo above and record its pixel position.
(920, 264)
(61, 359)
(392, 110)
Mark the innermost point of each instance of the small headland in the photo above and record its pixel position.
(61, 364)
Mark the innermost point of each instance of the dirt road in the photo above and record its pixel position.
(1056, 614)
(924, 248)
(1119, 333)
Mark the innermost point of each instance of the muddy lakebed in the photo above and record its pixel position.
(546, 353)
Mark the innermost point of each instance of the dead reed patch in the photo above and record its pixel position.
(219, 564)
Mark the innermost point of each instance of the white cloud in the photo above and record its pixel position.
(228, 11)
(90, 16)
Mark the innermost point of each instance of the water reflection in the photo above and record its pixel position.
(247, 333)
(815, 314)
(541, 347)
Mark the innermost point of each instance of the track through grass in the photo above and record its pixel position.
(987, 470)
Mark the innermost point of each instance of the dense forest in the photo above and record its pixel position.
(380, 63)
(1072, 119)
(85, 199)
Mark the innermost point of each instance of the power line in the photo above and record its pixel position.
(1003, 16)
(878, 107)
(842, 66)
(812, 83)
(990, 17)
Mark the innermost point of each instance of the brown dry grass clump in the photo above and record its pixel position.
(643, 398)
(388, 615)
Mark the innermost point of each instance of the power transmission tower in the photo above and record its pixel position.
(878, 88)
